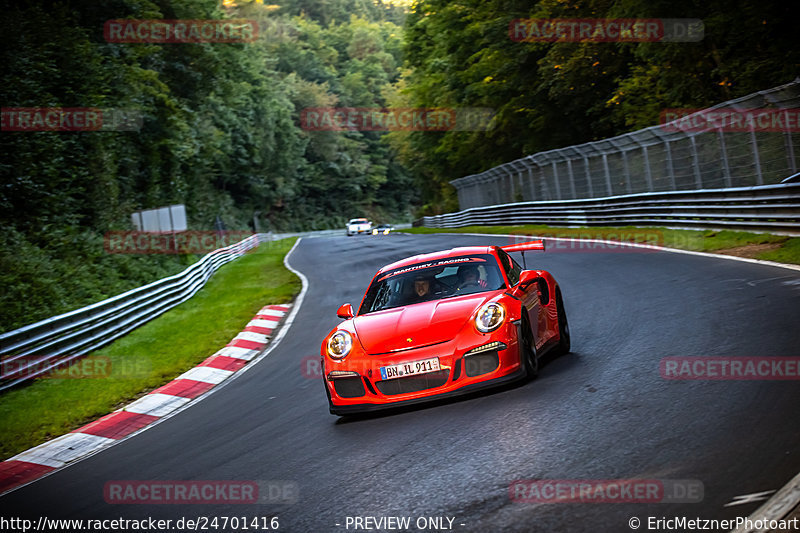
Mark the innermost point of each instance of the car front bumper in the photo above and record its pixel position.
(355, 384)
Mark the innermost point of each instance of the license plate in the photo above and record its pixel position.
(410, 369)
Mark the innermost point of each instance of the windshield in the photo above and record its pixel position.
(433, 280)
(358, 221)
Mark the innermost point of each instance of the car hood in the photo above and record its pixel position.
(418, 325)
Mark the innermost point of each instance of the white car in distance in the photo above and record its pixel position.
(358, 225)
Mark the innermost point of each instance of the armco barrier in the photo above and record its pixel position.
(769, 208)
(38, 348)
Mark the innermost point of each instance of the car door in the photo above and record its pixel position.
(530, 299)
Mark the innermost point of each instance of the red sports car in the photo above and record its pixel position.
(441, 324)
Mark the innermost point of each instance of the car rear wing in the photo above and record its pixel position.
(525, 246)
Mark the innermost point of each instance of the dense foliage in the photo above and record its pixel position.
(549, 95)
(220, 133)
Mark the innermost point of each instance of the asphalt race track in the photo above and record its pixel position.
(602, 412)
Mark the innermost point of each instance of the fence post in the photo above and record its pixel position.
(512, 187)
(531, 183)
(789, 145)
(555, 181)
(756, 158)
(545, 189)
(698, 179)
(588, 176)
(670, 170)
(571, 179)
(648, 174)
(609, 189)
(725, 164)
(628, 184)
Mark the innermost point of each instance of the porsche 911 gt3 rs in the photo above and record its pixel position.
(441, 324)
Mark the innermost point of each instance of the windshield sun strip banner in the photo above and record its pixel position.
(432, 264)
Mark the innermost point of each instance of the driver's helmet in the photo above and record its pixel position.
(466, 270)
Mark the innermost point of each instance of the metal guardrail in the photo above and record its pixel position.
(773, 208)
(38, 348)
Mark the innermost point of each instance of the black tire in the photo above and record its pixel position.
(530, 360)
(563, 327)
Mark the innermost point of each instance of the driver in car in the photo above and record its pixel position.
(469, 276)
(422, 289)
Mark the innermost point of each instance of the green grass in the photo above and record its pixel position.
(151, 355)
(787, 248)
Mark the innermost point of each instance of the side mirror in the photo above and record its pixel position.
(345, 311)
(526, 278)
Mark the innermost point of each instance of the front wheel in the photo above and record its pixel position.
(527, 351)
(563, 327)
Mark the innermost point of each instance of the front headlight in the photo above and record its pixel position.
(340, 344)
(490, 317)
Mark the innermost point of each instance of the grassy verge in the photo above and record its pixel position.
(151, 355)
(768, 247)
